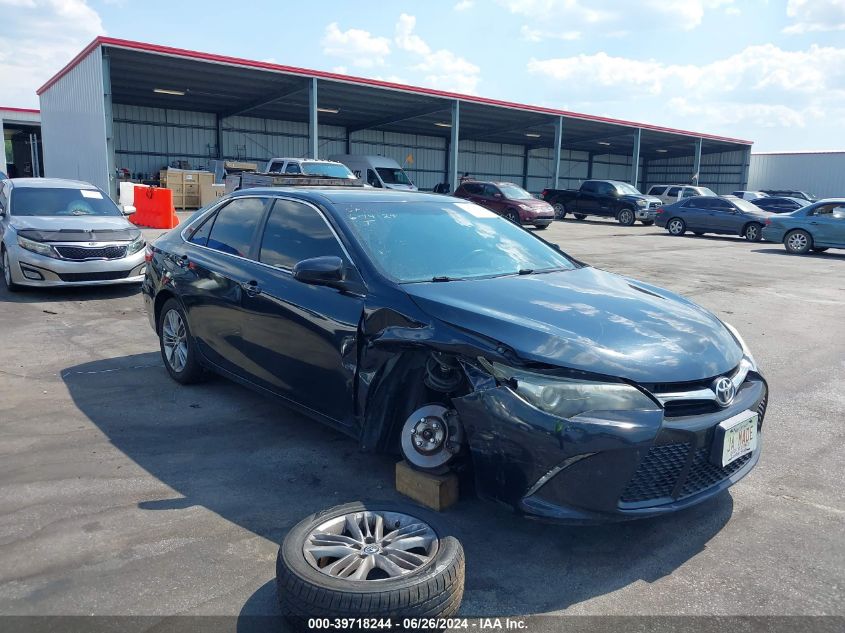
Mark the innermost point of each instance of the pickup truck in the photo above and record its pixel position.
(606, 198)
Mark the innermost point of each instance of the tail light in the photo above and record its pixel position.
(148, 253)
(660, 211)
(543, 195)
(768, 221)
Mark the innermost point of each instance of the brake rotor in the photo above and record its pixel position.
(431, 437)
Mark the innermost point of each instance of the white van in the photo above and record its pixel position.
(377, 171)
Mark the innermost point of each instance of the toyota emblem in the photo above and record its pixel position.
(725, 391)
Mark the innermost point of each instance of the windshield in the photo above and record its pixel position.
(61, 202)
(512, 192)
(704, 191)
(393, 176)
(331, 170)
(443, 241)
(625, 188)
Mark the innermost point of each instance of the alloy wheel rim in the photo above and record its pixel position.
(626, 217)
(175, 341)
(751, 232)
(797, 241)
(370, 545)
(675, 226)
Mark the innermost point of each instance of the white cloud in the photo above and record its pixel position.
(569, 19)
(359, 47)
(815, 15)
(463, 5)
(763, 85)
(405, 37)
(37, 39)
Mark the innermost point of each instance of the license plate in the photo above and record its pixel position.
(738, 436)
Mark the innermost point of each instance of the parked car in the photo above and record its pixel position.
(816, 227)
(779, 205)
(309, 167)
(672, 193)
(509, 201)
(377, 171)
(65, 233)
(724, 215)
(605, 198)
(791, 193)
(429, 326)
(749, 195)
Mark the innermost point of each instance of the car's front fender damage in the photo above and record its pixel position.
(537, 463)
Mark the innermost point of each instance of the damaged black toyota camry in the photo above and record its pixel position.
(427, 325)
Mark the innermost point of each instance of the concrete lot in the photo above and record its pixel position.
(123, 493)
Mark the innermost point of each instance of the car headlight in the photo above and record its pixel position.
(524, 207)
(36, 247)
(568, 397)
(642, 203)
(745, 350)
(135, 245)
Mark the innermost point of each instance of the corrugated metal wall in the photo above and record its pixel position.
(73, 124)
(821, 174)
(722, 172)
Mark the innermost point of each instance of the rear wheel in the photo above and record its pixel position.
(541, 227)
(753, 232)
(580, 216)
(626, 217)
(676, 226)
(178, 350)
(798, 242)
(560, 210)
(513, 216)
(11, 286)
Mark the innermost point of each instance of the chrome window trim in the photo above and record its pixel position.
(737, 378)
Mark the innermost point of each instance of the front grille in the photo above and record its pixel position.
(659, 474)
(681, 408)
(84, 252)
(99, 276)
(654, 205)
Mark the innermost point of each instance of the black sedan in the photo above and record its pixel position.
(780, 205)
(706, 214)
(430, 326)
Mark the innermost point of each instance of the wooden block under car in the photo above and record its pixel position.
(437, 492)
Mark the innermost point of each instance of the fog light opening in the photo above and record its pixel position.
(31, 273)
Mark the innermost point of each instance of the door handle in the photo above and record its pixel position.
(251, 288)
(813, 222)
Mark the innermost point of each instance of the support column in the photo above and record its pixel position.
(33, 151)
(218, 120)
(556, 158)
(696, 169)
(109, 121)
(590, 165)
(453, 144)
(635, 158)
(313, 140)
(348, 141)
(525, 167)
(746, 164)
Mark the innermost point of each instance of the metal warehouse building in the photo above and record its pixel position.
(21, 129)
(821, 173)
(124, 104)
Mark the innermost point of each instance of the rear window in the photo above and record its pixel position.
(673, 191)
(330, 170)
(656, 191)
(54, 201)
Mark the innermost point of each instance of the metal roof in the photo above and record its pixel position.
(230, 86)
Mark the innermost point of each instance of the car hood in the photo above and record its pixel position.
(534, 203)
(590, 320)
(69, 222)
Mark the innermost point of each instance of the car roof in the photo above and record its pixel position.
(50, 183)
(305, 160)
(341, 194)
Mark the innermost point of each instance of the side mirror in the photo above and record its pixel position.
(128, 209)
(320, 271)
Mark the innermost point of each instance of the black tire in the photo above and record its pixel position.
(541, 227)
(513, 216)
(432, 591)
(7, 274)
(626, 216)
(676, 226)
(819, 249)
(697, 233)
(191, 370)
(753, 232)
(579, 216)
(560, 210)
(797, 242)
(647, 222)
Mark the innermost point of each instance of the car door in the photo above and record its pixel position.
(300, 340)
(695, 213)
(493, 199)
(723, 217)
(606, 199)
(827, 225)
(212, 274)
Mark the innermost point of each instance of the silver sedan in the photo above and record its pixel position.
(65, 233)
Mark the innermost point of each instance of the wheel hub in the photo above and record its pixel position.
(428, 435)
(431, 436)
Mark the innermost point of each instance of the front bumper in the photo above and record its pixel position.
(31, 269)
(603, 466)
(646, 214)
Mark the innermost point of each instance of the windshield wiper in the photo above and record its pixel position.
(525, 271)
(445, 278)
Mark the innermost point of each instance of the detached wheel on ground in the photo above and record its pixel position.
(676, 226)
(626, 217)
(178, 350)
(369, 560)
(7, 272)
(753, 232)
(798, 242)
(513, 216)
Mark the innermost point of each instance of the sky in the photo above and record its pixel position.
(770, 71)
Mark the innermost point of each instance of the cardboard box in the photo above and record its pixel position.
(210, 192)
